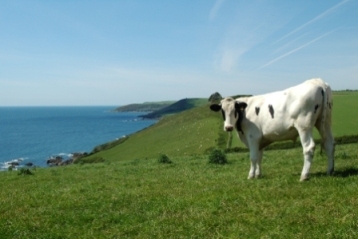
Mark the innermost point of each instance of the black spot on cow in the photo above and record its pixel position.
(240, 110)
(322, 92)
(315, 108)
(257, 110)
(223, 114)
(271, 110)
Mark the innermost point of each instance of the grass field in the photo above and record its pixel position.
(132, 195)
(345, 115)
(186, 199)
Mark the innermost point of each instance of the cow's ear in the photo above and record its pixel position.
(240, 105)
(215, 107)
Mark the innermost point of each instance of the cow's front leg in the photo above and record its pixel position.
(258, 171)
(255, 168)
(252, 170)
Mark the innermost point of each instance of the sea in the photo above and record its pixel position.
(35, 134)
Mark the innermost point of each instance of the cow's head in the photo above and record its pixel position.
(232, 112)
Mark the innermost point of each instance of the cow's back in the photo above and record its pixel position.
(276, 116)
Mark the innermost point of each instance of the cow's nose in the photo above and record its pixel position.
(229, 128)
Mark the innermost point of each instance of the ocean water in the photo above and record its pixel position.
(34, 134)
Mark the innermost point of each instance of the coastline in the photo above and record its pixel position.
(32, 135)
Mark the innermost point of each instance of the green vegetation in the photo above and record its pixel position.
(187, 199)
(164, 159)
(217, 156)
(126, 193)
(109, 145)
(187, 133)
(345, 114)
(94, 159)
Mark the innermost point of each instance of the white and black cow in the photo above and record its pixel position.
(283, 115)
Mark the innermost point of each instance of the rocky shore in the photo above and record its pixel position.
(57, 160)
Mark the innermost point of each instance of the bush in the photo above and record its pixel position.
(217, 156)
(25, 171)
(90, 160)
(164, 159)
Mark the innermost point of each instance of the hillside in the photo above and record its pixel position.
(190, 132)
(160, 109)
(179, 106)
(144, 107)
(197, 130)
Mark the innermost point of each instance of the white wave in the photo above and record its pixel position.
(14, 163)
(63, 155)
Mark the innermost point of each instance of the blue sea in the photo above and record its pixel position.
(34, 134)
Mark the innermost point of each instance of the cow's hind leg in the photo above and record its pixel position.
(329, 149)
(308, 146)
(327, 143)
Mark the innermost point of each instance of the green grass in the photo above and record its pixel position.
(189, 198)
(345, 114)
(190, 132)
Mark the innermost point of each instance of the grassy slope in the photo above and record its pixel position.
(196, 130)
(179, 106)
(189, 132)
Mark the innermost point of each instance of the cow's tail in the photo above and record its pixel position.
(325, 117)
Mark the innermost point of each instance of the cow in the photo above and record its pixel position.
(283, 115)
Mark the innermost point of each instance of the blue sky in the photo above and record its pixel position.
(120, 52)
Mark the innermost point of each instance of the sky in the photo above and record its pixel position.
(117, 52)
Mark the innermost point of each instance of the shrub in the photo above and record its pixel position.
(90, 160)
(25, 171)
(217, 156)
(164, 159)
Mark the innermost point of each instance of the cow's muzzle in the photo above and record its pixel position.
(229, 128)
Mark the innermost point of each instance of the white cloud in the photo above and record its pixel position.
(318, 17)
(215, 9)
(295, 50)
(285, 46)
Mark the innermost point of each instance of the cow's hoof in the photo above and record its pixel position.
(251, 177)
(330, 172)
(304, 178)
